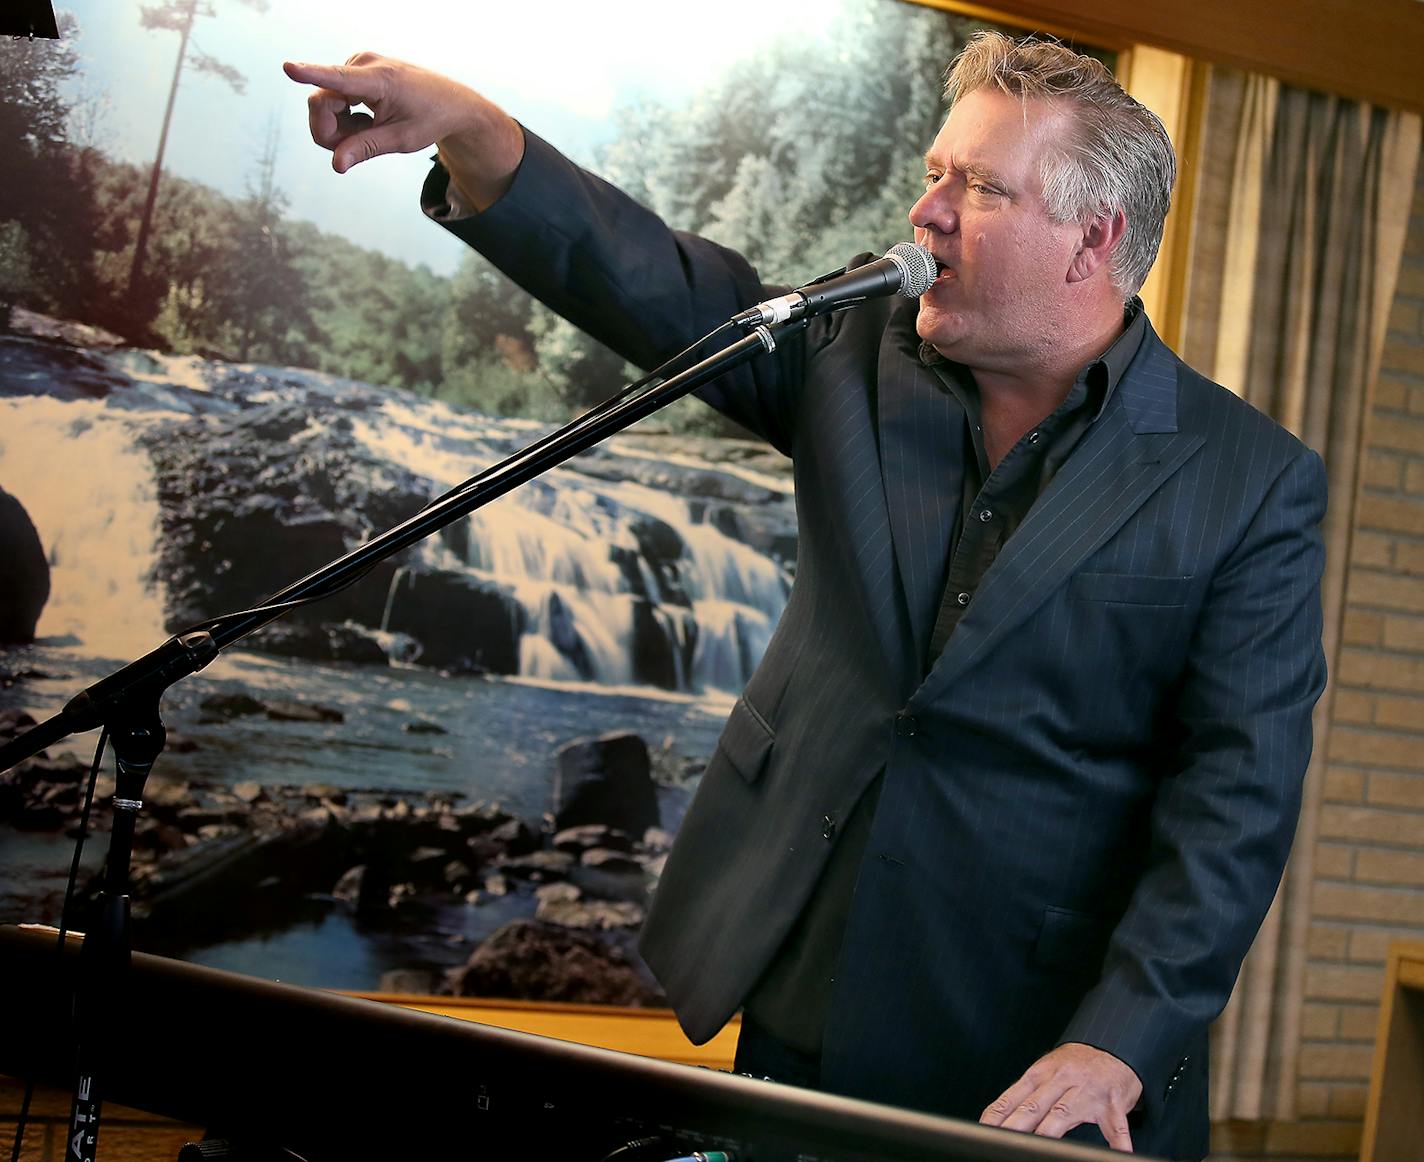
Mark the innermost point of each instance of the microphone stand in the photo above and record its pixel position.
(127, 701)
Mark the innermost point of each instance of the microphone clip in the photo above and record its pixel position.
(771, 312)
(906, 269)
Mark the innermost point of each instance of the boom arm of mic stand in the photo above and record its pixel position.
(190, 651)
(127, 703)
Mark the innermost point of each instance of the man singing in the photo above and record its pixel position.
(996, 819)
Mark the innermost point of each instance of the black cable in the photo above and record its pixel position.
(275, 607)
(83, 834)
(64, 918)
(629, 1151)
(641, 1150)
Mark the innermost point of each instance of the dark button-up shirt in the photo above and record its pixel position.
(995, 500)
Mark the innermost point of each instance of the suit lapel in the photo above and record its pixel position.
(921, 431)
(1130, 451)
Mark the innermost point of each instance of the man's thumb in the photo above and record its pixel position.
(367, 142)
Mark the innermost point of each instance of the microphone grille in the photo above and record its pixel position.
(917, 268)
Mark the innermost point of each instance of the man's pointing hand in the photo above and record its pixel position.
(411, 109)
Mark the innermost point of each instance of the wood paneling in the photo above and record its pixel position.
(1372, 50)
(646, 1032)
(1394, 1118)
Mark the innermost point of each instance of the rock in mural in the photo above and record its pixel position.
(24, 573)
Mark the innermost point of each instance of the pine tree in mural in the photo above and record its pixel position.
(178, 16)
(263, 295)
(34, 115)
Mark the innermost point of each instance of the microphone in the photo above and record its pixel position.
(907, 269)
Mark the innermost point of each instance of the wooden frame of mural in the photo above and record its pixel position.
(1374, 56)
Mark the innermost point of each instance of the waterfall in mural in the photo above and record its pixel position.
(88, 486)
(167, 489)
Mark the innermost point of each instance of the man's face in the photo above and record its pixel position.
(999, 301)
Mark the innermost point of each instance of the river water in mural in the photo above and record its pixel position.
(633, 589)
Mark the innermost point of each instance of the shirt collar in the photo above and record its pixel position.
(1100, 377)
(1113, 363)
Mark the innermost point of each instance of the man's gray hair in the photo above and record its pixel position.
(1122, 158)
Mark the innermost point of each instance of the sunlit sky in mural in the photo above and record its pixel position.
(561, 66)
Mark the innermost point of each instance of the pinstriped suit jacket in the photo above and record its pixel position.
(1087, 800)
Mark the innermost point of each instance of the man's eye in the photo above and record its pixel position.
(931, 179)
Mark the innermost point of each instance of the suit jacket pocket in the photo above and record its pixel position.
(1131, 588)
(746, 741)
(1071, 941)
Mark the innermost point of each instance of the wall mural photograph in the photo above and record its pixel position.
(222, 365)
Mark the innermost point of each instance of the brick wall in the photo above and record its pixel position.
(1369, 860)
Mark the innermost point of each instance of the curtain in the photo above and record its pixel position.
(1302, 203)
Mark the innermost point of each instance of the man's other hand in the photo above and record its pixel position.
(1073, 1085)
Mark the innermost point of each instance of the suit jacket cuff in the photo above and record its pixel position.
(1149, 1043)
(442, 200)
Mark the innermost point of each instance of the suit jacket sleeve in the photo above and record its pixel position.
(1224, 817)
(615, 270)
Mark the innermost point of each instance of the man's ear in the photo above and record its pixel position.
(1100, 238)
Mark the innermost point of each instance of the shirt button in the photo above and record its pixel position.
(906, 726)
(963, 599)
(1034, 437)
(985, 515)
(828, 827)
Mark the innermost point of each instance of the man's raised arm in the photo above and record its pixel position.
(411, 109)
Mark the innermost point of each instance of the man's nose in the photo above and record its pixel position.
(935, 211)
